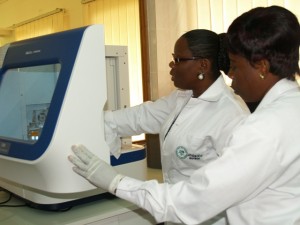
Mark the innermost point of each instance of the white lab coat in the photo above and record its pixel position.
(257, 178)
(196, 137)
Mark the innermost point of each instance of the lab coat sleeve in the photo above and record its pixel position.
(248, 166)
(111, 136)
(145, 118)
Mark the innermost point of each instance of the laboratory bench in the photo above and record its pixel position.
(112, 211)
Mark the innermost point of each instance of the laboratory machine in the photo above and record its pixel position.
(53, 91)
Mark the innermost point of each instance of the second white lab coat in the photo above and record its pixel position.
(192, 131)
(257, 178)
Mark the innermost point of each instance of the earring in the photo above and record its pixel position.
(201, 76)
(262, 76)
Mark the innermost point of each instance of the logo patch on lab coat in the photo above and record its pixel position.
(181, 152)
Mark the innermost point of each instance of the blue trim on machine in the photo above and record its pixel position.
(128, 157)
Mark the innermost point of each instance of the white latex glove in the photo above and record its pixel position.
(95, 170)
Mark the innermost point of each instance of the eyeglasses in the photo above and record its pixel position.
(178, 60)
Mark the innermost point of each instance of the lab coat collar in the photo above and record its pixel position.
(280, 87)
(215, 91)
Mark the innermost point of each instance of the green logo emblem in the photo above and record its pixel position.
(181, 152)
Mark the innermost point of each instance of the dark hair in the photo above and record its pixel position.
(223, 59)
(271, 33)
(207, 44)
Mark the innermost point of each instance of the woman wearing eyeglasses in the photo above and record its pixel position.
(186, 119)
(195, 120)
